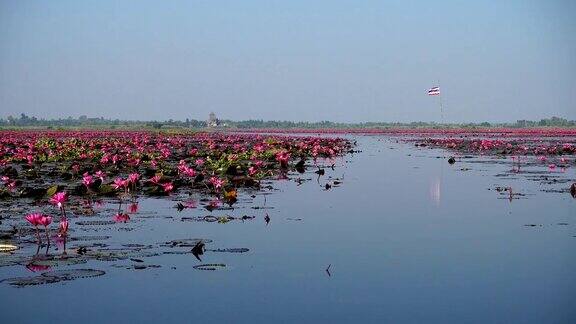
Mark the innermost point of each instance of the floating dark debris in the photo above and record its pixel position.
(137, 245)
(231, 250)
(267, 219)
(89, 238)
(198, 250)
(210, 266)
(144, 266)
(95, 222)
(219, 219)
(300, 166)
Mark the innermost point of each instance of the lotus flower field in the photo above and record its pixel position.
(93, 164)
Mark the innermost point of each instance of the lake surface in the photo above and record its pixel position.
(406, 238)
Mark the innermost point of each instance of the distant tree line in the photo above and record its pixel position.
(83, 121)
(554, 121)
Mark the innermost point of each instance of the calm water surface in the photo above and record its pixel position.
(408, 238)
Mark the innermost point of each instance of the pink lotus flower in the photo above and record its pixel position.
(168, 187)
(252, 171)
(283, 157)
(552, 166)
(189, 172)
(63, 228)
(34, 219)
(185, 169)
(87, 180)
(11, 185)
(119, 183)
(45, 220)
(199, 162)
(156, 179)
(133, 178)
(216, 182)
(59, 199)
(101, 175)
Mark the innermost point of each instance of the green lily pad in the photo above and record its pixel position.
(72, 274)
(52, 190)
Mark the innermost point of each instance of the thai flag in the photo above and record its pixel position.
(434, 91)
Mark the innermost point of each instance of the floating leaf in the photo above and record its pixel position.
(59, 260)
(223, 219)
(52, 190)
(72, 274)
(106, 189)
(8, 248)
(185, 242)
(30, 281)
(230, 195)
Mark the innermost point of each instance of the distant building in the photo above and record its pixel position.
(212, 120)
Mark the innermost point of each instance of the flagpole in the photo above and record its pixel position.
(440, 102)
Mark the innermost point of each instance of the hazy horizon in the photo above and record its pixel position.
(282, 120)
(341, 61)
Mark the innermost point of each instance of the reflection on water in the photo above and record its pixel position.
(435, 187)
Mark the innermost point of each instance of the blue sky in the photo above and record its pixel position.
(290, 60)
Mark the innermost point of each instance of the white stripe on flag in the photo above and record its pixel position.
(434, 91)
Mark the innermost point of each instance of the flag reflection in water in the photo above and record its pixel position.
(435, 192)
